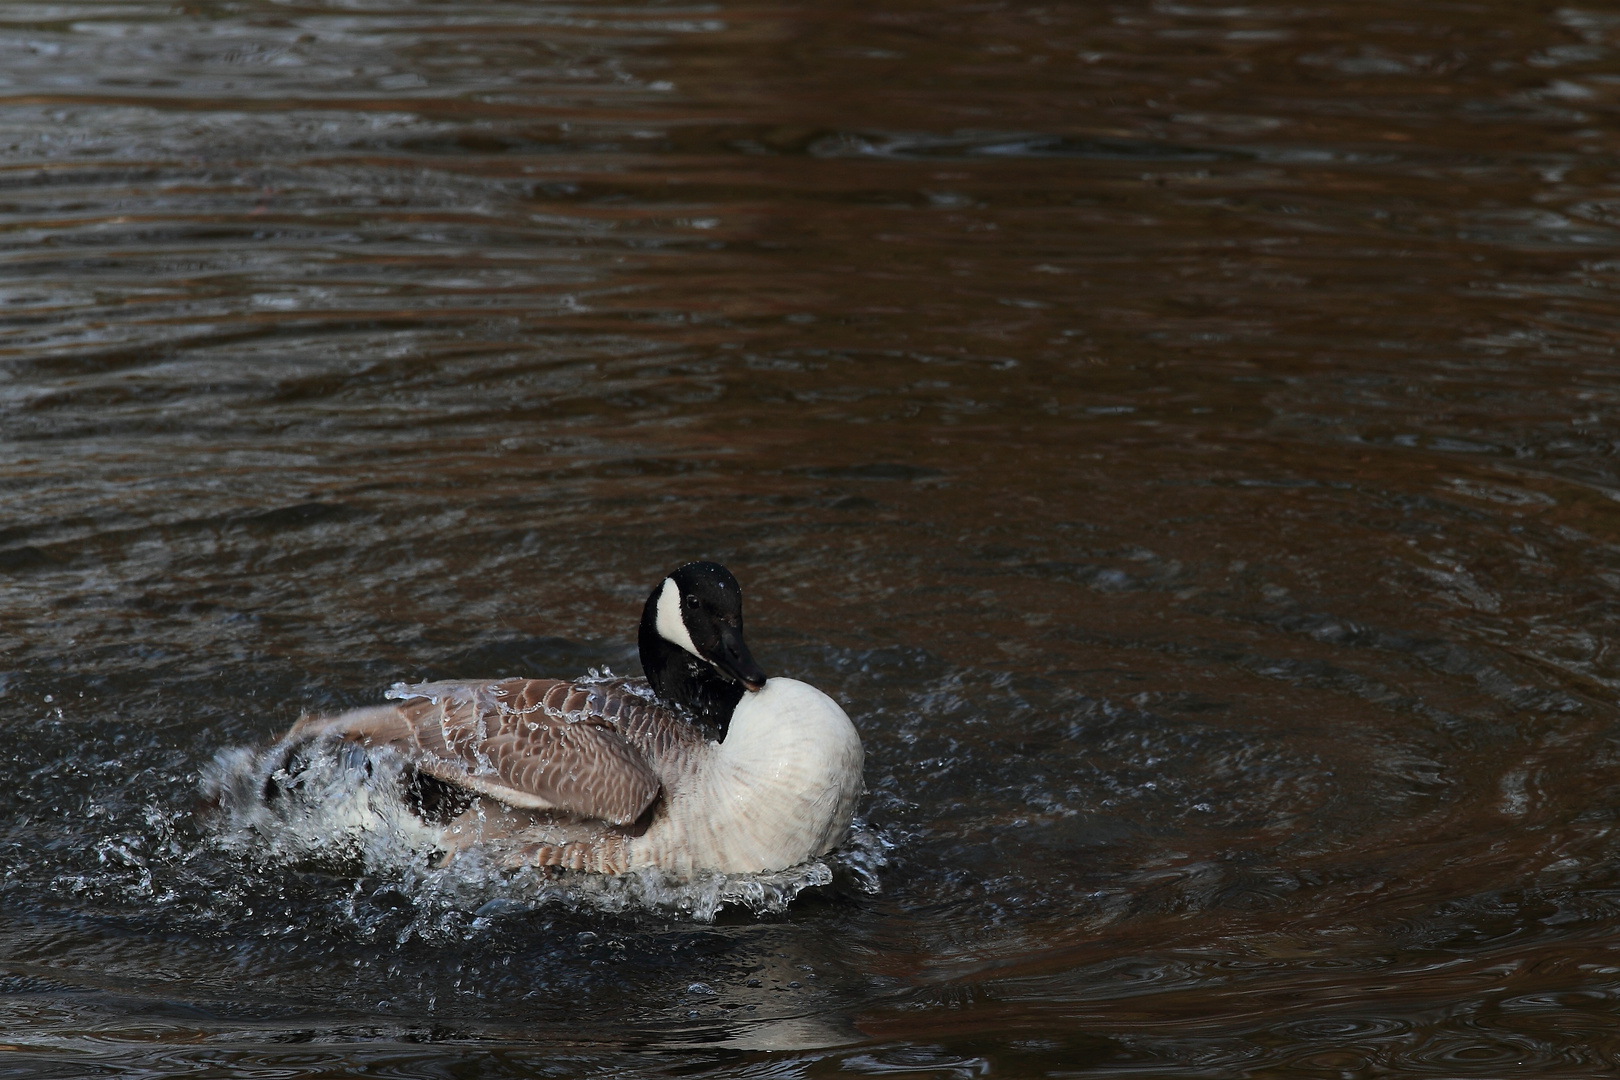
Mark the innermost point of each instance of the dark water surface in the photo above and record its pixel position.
(1182, 434)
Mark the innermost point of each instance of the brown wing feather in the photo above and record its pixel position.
(539, 744)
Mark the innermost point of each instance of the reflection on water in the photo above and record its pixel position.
(1182, 435)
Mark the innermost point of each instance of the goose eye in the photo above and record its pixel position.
(691, 601)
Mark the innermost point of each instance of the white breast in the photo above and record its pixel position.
(781, 789)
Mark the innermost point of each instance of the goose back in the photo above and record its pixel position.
(588, 750)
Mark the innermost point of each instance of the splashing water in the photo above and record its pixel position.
(344, 809)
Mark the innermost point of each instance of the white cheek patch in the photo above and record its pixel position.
(670, 625)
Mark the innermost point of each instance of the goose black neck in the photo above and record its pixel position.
(681, 681)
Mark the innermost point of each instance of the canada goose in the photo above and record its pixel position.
(704, 765)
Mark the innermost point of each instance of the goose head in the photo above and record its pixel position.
(692, 646)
